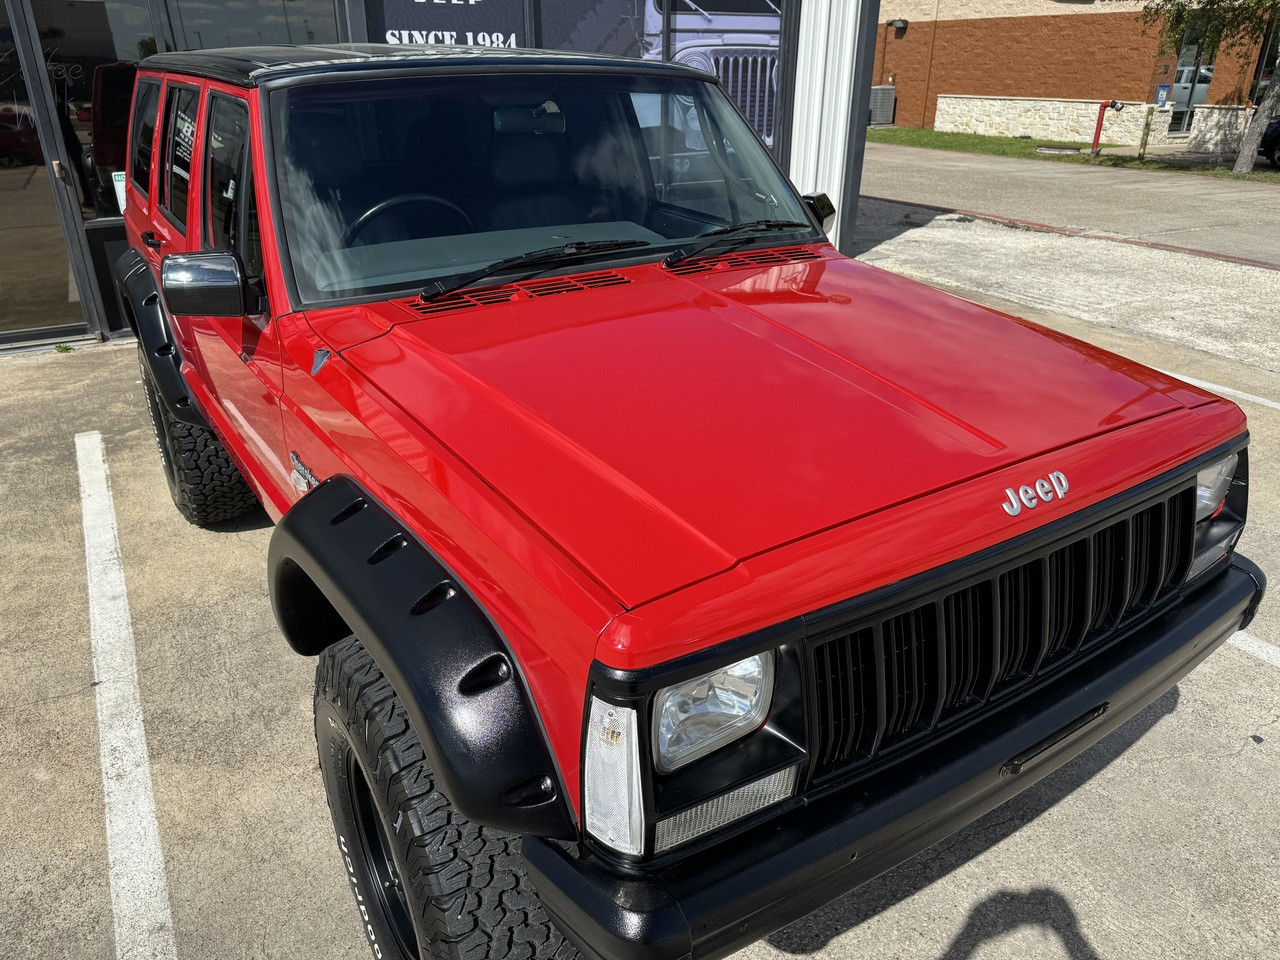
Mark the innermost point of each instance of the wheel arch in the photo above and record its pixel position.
(145, 312)
(339, 563)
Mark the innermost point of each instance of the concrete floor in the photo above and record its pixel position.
(1160, 842)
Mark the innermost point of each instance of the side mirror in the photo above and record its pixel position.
(822, 208)
(204, 284)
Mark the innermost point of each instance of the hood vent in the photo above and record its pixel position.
(751, 258)
(514, 292)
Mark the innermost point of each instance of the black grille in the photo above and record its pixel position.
(912, 671)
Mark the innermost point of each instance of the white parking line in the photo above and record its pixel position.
(139, 891)
(1225, 391)
(1266, 652)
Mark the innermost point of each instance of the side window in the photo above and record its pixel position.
(179, 138)
(142, 133)
(231, 215)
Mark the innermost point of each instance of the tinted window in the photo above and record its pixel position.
(142, 133)
(180, 133)
(228, 139)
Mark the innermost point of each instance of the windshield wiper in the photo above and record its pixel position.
(548, 255)
(712, 237)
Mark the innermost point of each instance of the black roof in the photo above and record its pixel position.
(252, 66)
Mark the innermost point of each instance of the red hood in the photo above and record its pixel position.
(664, 430)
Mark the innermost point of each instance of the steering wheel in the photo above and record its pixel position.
(400, 200)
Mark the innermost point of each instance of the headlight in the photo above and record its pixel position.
(1212, 484)
(693, 718)
(1221, 505)
(699, 61)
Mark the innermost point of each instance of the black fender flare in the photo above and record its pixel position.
(144, 309)
(340, 562)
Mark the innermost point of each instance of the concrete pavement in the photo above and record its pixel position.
(1208, 305)
(1235, 218)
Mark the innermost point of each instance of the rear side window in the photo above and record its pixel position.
(179, 138)
(142, 133)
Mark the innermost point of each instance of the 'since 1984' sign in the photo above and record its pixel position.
(485, 23)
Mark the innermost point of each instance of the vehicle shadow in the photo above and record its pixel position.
(1007, 910)
(880, 221)
(254, 520)
(1001, 912)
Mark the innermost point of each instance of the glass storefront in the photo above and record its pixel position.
(66, 77)
(38, 291)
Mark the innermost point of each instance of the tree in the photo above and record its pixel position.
(1235, 25)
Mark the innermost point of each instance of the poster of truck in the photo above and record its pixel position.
(736, 40)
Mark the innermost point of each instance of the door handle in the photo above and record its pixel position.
(151, 240)
(59, 170)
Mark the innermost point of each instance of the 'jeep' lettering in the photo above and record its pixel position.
(1048, 488)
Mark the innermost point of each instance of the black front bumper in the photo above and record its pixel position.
(733, 894)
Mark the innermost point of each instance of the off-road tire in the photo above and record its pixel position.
(205, 483)
(460, 889)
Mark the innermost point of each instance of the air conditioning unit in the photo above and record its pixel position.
(883, 100)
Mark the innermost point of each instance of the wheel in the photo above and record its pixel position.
(204, 482)
(427, 882)
(361, 222)
(1273, 155)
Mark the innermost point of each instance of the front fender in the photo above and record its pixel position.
(339, 563)
(145, 312)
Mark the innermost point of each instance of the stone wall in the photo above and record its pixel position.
(1048, 119)
(1217, 129)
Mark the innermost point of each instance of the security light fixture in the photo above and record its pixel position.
(899, 24)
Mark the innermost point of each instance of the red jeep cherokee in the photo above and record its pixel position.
(670, 573)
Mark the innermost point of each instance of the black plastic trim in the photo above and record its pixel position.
(144, 309)
(708, 907)
(340, 562)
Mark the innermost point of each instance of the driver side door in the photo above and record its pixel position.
(241, 355)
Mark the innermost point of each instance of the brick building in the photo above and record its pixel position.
(1050, 49)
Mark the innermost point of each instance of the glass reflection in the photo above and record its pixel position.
(208, 24)
(36, 287)
(87, 47)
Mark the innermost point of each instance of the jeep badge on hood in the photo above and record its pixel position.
(1031, 497)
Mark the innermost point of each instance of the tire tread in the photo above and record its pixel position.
(475, 899)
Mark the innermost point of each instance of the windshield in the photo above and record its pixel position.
(388, 184)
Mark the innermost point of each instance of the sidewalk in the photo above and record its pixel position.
(1178, 153)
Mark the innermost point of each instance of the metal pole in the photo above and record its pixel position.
(666, 29)
(182, 25)
(532, 23)
(859, 119)
(788, 55)
(1146, 133)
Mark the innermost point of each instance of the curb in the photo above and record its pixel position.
(1085, 234)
